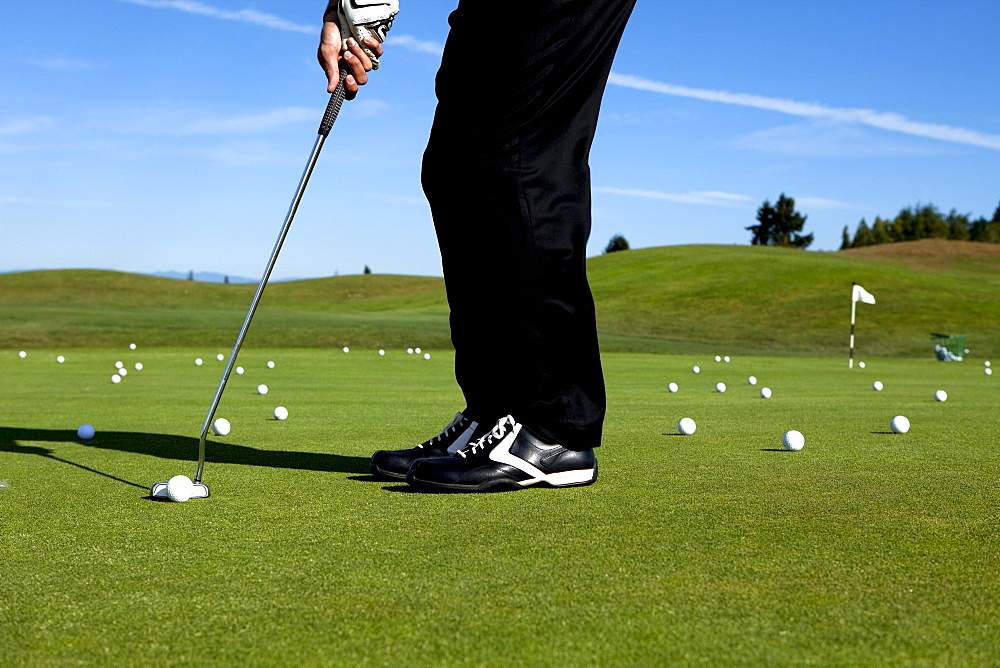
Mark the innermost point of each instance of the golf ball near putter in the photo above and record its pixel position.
(672, 387)
(765, 392)
(280, 413)
(793, 440)
(752, 380)
(220, 357)
(720, 387)
(239, 370)
(686, 426)
(941, 395)
(85, 432)
(262, 389)
(221, 427)
(877, 386)
(180, 488)
(900, 424)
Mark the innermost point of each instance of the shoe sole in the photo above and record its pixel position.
(579, 478)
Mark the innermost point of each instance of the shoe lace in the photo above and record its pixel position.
(494, 435)
(447, 431)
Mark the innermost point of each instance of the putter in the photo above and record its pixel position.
(201, 491)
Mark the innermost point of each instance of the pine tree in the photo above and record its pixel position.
(779, 225)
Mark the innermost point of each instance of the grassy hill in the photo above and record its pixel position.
(716, 299)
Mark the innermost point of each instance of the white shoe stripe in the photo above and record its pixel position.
(464, 439)
(562, 478)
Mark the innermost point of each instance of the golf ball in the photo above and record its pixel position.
(409, 351)
(986, 363)
(416, 350)
(941, 395)
(221, 426)
(60, 359)
(197, 361)
(718, 359)
(131, 346)
(672, 387)
(877, 386)
(752, 380)
(381, 352)
(138, 366)
(280, 413)
(116, 379)
(988, 371)
(180, 488)
(900, 424)
(239, 370)
(765, 392)
(346, 349)
(119, 365)
(427, 356)
(122, 372)
(793, 440)
(686, 426)
(220, 357)
(726, 359)
(85, 432)
(262, 389)
(720, 387)
(861, 365)
(270, 364)
(696, 369)
(23, 354)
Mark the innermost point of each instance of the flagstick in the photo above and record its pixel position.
(854, 308)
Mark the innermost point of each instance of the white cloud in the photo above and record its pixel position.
(884, 120)
(243, 15)
(413, 44)
(710, 197)
(818, 137)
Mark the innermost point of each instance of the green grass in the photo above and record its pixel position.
(863, 548)
(679, 299)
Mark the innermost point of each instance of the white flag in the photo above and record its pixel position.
(862, 295)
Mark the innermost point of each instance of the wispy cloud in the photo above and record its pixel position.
(411, 43)
(710, 197)
(243, 15)
(25, 125)
(884, 120)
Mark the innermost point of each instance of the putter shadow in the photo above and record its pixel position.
(184, 448)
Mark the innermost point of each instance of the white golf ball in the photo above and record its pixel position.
(221, 427)
(60, 359)
(381, 352)
(696, 369)
(427, 356)
(116, 379)
(877, 386)
(409, 351)
(131, 346)
(686, 426)
(138, 366)
(988, 371)
(726, 359)
(119, 365)
(765, 392)
(346, 349)
(672, 387)
(941, 395)
(280, 413)
(900, 424)
(793, 440)
(262, 389)
(85, 432)
(270, 364)
(123, 372)
(220, 357)
(718, 359)
(752, 380)
(720, 387)
(23, 354)
(180, 488)
(197, 361)
(239, 370)
(861, 365)
(986, 363)
(416, 350)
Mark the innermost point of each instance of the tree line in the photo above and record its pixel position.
(923, 222)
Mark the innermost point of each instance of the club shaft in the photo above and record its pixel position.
(333, 108)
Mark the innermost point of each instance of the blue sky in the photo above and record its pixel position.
(155, 135)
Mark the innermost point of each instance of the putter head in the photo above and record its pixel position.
(200, 491)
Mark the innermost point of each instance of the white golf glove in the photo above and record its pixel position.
(364, 18)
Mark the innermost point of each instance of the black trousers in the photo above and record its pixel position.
(507, 176)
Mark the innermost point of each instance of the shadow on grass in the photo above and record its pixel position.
(12, 439)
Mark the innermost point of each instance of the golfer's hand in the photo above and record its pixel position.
(332, 57)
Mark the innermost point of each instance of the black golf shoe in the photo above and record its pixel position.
(395, 463)
(508, 457)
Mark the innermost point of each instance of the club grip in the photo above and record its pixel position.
(333, 106)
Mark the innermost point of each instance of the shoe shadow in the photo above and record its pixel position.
(168, 446)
